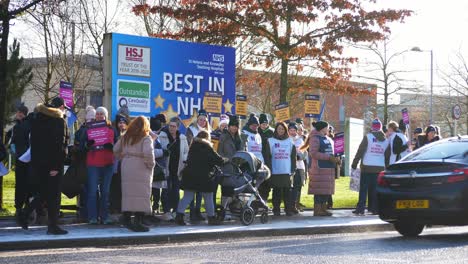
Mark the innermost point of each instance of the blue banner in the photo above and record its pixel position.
(153, 76)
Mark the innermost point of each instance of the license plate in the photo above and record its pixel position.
(412, 204)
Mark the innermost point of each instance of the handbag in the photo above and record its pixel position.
(159, 173)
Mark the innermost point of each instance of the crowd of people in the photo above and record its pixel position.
(140, 164)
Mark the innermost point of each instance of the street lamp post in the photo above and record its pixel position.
(417, 49)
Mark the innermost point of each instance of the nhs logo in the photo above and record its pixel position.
(218, 57)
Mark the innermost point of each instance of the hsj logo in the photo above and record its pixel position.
(218, 57)
(134, 54)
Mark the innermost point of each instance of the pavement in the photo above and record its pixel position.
(85, 235)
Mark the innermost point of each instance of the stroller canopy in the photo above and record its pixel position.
(244, 158)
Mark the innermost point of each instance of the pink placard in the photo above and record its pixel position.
(66, 92)
(339, 143)
(100, 133)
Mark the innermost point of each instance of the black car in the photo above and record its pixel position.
(427, 187)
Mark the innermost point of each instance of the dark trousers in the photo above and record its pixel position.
(264, 190)
(160, 197)
(368, 189)
(173, 192)
(321, 198)
(281, 195)
(21, 184)
(115, 195)
(195, 205)
(49, 191)
(297, 186)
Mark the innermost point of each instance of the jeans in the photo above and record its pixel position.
(367, 187)
(321, 198)
(188, 198)
(99, 179)
(279, 195)
(173, 192)
(297, 186)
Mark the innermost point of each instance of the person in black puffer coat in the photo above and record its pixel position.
(197, 176)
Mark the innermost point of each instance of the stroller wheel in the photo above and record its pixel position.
(264, 218)
(220, 213)
(247, 215)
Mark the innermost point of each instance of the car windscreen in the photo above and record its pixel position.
(457, 150)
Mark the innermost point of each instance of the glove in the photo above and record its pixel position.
(166, 152)
(354, 166)
(108, 146)
(334, 159)
(90, 143)
(225, 160)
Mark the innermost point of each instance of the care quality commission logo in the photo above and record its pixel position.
(136, 95)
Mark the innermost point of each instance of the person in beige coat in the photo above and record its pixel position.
(135, 150)
(322, 167)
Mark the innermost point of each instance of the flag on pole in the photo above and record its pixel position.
(322, 109)
(71, 118)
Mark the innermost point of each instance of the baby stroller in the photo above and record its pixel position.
(248, 173)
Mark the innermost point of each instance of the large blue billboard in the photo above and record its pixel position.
(153, 76)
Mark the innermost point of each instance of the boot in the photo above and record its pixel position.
(56, 230)
(126, 220)
(325, 211)
(299, 207)
(319, 210)
(276, 211)
(213, 221)
(179, 219)
(138, 225)
(294, 208)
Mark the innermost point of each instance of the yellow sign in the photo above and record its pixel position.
(282, 112)
(312, 105)
(241, 105)
(212, 102)
(215, 144)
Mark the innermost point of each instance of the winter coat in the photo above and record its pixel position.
(183, 150)
(161, 160)
(48, 138)
(137, 174)
(20, 135)
(99, 157)
(228, 147)
(202, 158)
(321, 180)
(362, 151)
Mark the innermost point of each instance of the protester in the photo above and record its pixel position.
(196, 177)
(429, 136)
(299, 176)
(398, 143)
(193, 130)
(303, 134)
(322, 166)
(252, 141)
(283, 166)
(265, 132)
(136, 152)
(48, 146)
(100, 160)
(371, 153)
(229, 144)
(19, 144)
(415, 141)
(176, 144)
(215, 138)
(160, 191)
(79, 162)
(121, 125)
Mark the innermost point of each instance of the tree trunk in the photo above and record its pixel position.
(284, 81)
(3, 60)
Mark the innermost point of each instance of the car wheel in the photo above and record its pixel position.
(408, 229)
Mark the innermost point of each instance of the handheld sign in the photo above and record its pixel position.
(339, 141)
(241, 106)
(212, 102)
(282, 112)
(312, 105)
(405, 116)
(66, 93)
(100, 133)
